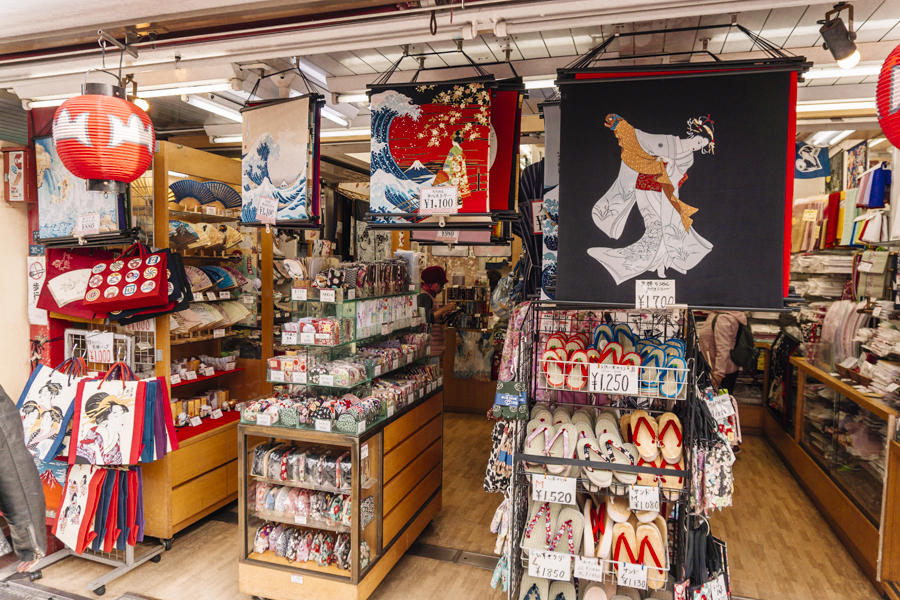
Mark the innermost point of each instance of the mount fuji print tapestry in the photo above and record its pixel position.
(276, 158)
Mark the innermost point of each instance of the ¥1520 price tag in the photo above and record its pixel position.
(547, 488)
(633, 576)
(643, 497)
(613, 379)
(550, 565)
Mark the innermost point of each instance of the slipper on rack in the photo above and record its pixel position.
(673, 350)
(670, 437)
(621, 454)
(603, 332)
(671, 382)
(644, 432)
(577, 378)
(562, 445)
(612, 354)
(557, 340)
(671, 485)
(593, 355)
(537, 438)
(631, 358)
(562, 590)
(589, 449)
(646, 478)
(625, 548)
(594, 591)
(617, 509)
(574, 343)
(607, 423)
(540, 524)
(568, 532)
(534, 588)
(583, 415)
(584, 430)
(541, 412)
(623, 334)
(652, 553)
(648, 378)
(625, 427)
(598, 526)
(560, 416)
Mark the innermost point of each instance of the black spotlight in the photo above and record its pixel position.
(838, 39)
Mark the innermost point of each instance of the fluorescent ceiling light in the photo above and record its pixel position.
(875, 142)
(217, 109)
(864, 71)
(845, 105)
(839, 137)
(177, 174)
(352, 132)
(350, 98)
(334, 116)
(46, 103)
(228, 139)
(537, 84)
(363, 156)
(185, 89)
(312, 71)
(822, 137)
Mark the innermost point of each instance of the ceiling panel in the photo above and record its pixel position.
(169, 112)
(681, 41)
(351, 62)
(781, 23)
(716, 36)
(530, 45)
(374, 59)
(497, 46)
(453, 59)
(586, 38)
(806, 31)
(737, 40)
(881, 22)
(331, 67)
(651, 43)
(559, 43)
(821, 82)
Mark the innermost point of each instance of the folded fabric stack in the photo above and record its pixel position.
(841, 323)
(822, 287)
(884, 339)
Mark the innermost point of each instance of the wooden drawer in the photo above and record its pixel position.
(201, 492)
(401, 429)
(410, 448)
(204, 456)
(403, 512)
(406, 480)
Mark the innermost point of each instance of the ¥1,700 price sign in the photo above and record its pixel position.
(547, 488)
(550, 565)
(613, 379)
(654, 293)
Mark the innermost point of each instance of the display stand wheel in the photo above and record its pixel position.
(35, 575)
(100, 590)
(156, 558)
(167, 544)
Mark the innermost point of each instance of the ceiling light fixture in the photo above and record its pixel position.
(186, 89)
(839, 40)
(351, 98)
(538, 84)
(228, 139)
(840, 137)
(822, 137)
(334, 116)
(875, 142)
(856, 71)
(837, 106)
(352, 132)
(214, 108)
(142, 104)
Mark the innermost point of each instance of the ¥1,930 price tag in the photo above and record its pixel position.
(550, 565)
(721, 407)
(589, 568)
(547, 488)
(643, 497)
(613, 379)
(633, 576)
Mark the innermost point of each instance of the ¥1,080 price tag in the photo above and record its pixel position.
(613, 379)
(196, 422)
(633, 576)
(550, 565)
(721, 407)
(654, 293)
(643, 497)
(547, 488)
(299, 294)
(589, 568)
(326, 295)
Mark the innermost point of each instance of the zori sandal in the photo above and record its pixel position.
(671, 383)
(644, 431)
(620, 454)
(670, 437)
(538, 435)
(570, 528)
(562, 590)
(540, 525)
(562, 445)
(652, 553)
(617, 509)
(589, 449)
(534, 588)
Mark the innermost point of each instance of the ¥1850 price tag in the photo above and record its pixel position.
(547, 488)
(613, 379)
(643, 497)
(633, 576)
(550, 565)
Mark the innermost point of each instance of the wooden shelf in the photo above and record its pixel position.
(277, 517)
(310, 565)
(871, 404)
(206, 377)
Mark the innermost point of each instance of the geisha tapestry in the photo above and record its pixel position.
(681, 178)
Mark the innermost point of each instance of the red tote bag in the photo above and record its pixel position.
(134, 279)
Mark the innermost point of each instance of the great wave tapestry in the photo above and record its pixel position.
(675, 177)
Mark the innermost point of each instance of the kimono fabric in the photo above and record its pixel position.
(474, 355)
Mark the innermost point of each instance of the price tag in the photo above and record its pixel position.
(307, 338)
(412, 287)
(448, 236)
(351, 294)
(198, 297)
(386, 328)
(88, 224)
(421, 393)
(266, 210)
(323, 425)
(613, 379)
(209, 210)
(299, 294)
(717, 588)
(276, 376)
(326, 380)
(360, 427)
(196, 422)
(810, 214)
(326, 295)
(849, 363)
(207, 371)
(211, 296)
(721, 407)
(216, 414)
(224, 295)
(288, 338)
(550, 565)
(390, 410)
(547, 488)
(643, 497)
(175, 379)
(263, 419)
(248, 299)
(893, 387)
(876, 312)
(297, 579)
(864, 266)
(634, 576)
(441, 200)
(190, 375)
(377, 370)
(300, 520)
(364, 451)
(396, 364)
(589, 568)
(654, 293)
(100, 348)
(537, 217)
(218, 333)
(441, 381)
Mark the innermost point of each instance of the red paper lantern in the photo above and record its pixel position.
(887, 97)
(104, 138)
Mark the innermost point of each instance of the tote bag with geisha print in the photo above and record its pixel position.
(75, 515)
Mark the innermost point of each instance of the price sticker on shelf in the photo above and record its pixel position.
(263, 419)
(297, 579)
(300, 377)
(218, 333)
(216, 414)
(209, 210)
(412, 287)
(308, 338)
(386, 329)
(100, 348)
(613, 379)
(448, 236)
(207, 371)
(190, 375)
(643, 497)
(326, 295)
(876, 312)
(266, 210)
(810, 214)
(175, 379)
(633, 576)
(300, 520)
(248, 299)
(550, 565)
(323, 424)
(288, 338)
(893, 387)
(276, 376)
(438, 200)
(717, 588)
(721, 407)
(395, 364)
(360, 427)
(421, 393)
(547, 488)
(589, 568)
(198, 297)
(196, 422)
(299, 294)
(211, 296)
(326, 380)
(224, 295)
(654, 293)
(441, 381)
(351, 294)
(390, 410)
(377, 371)
(88, 224)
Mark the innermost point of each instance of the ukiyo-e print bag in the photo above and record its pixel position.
(134, 279)
(108, 422)
(75, 516)
(46, 405)
(68, 272)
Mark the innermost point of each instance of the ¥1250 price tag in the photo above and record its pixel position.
(326, 295)
(589, 568)
(613, 379)
(299, 294)
(654, 293)
(550, 565)
(288, 337)
(216, 414)
(266, 210)
(721, 407)
(196, 422)
(547, 488)
(633, 576)
(643, 497)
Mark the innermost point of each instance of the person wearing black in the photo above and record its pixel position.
(433, 281)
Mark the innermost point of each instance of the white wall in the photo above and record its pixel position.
(15, 349)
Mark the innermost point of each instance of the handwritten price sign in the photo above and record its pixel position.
(633, 576)
(643, 497)
(547, 488)
(100, 348)
(266, 210)
(613, 379)
(550, 565)
(654, 293)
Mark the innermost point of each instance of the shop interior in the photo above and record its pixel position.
(286, 315)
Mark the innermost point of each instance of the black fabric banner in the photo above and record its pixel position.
(678, 178)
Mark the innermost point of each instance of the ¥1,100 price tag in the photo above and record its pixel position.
(547, 488)
(643, 497)
(633, 576)
(326, 295)
(589, 568)
(439, 200)
(721, 407)
(550, 565)
(613, 379)
(299, 294)
(216, 414)
(323, 425)
(654, 293)
(196, 422)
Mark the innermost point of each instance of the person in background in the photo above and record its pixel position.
(718, 337)
(21, 493)
(433, 281)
